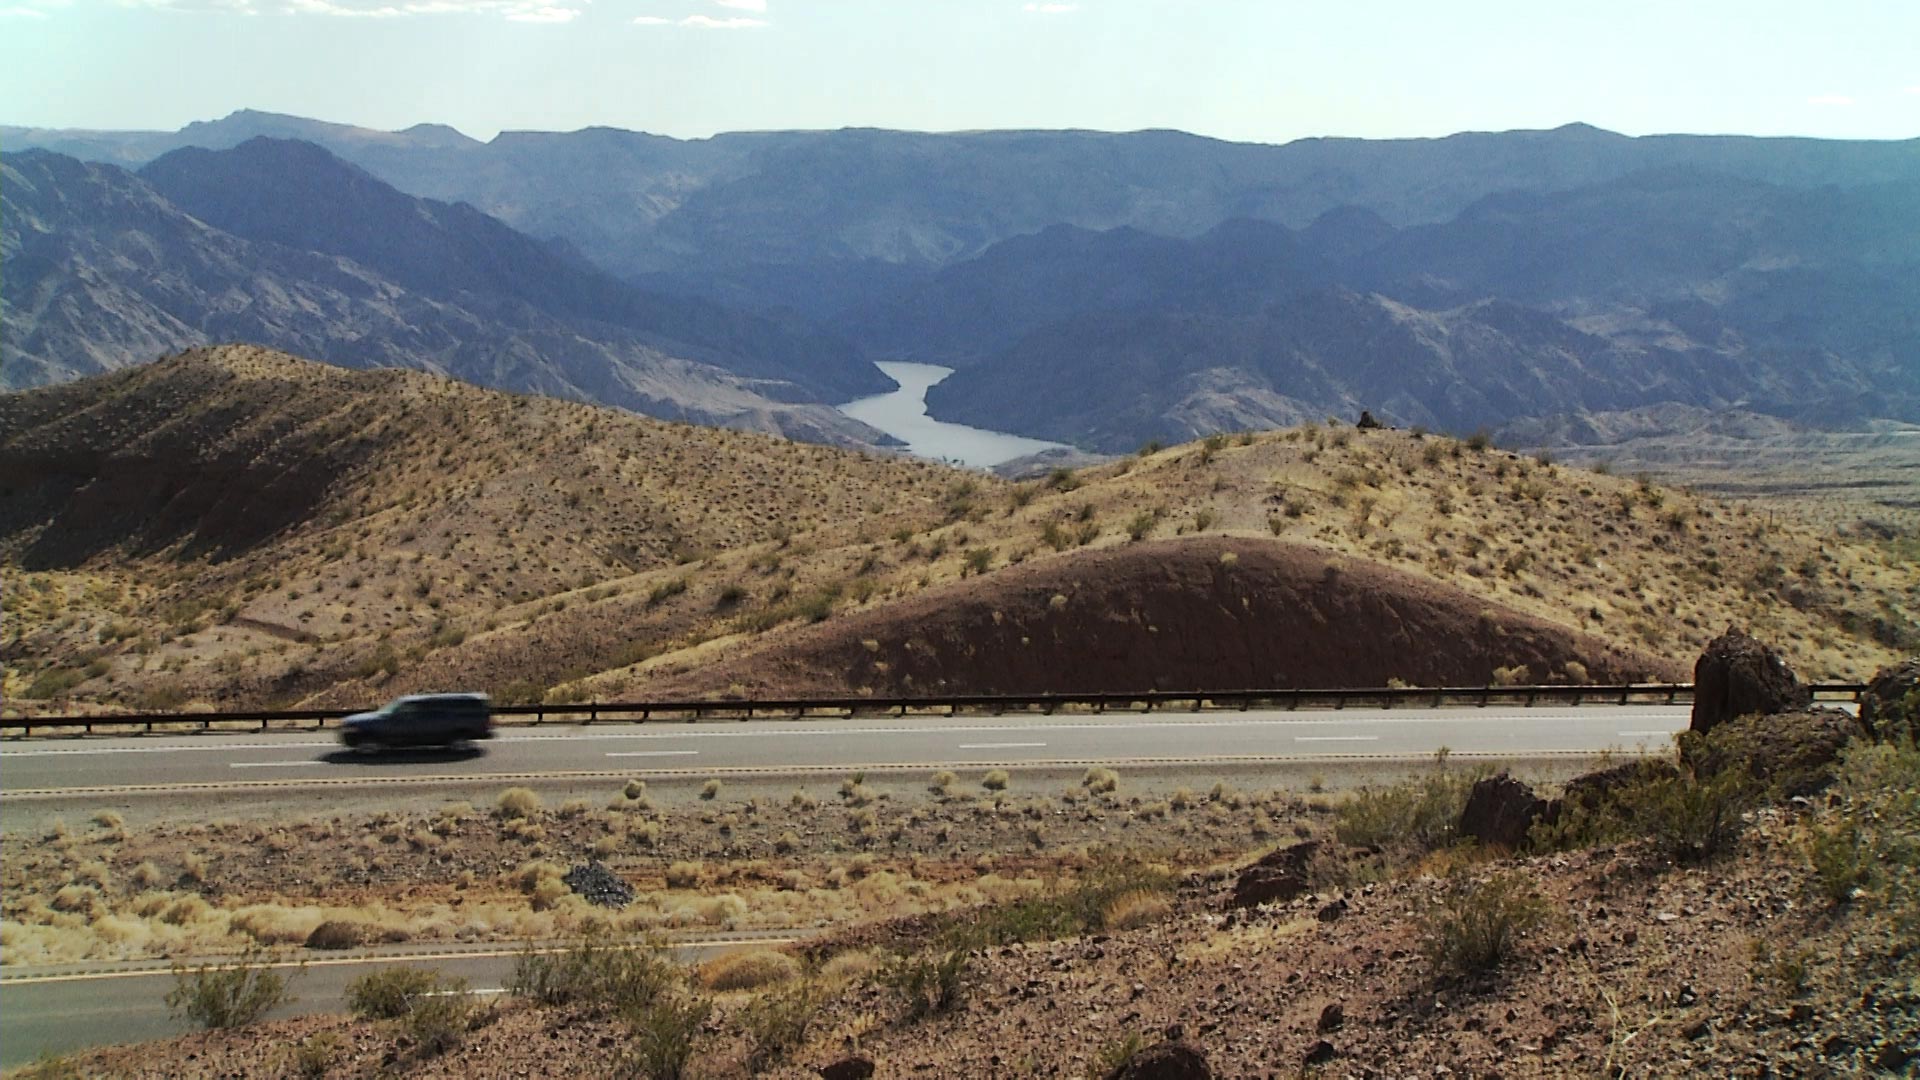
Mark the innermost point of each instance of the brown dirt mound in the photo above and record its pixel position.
(1218, 613)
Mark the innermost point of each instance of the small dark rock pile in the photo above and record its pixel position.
(598, 885)
(1276, 878)
(1891, 706)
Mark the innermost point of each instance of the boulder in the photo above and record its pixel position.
(1500, 812)
(1890, 707)
(1276, 878)
(852, 1067)
(1738, 675)
(1367, 422)
(1165, 1061)
(1791, 753)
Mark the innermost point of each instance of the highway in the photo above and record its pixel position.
(50, 1010)
(118, 763)
(54, 1012)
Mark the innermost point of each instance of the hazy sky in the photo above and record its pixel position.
(1266, 70)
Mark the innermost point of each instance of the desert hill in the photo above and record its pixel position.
(1217, 612)
(239, 527)
(282, 500)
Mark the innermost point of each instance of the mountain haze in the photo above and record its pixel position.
(105, 271)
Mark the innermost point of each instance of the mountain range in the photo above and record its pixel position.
(280, 243)
(1099, 289)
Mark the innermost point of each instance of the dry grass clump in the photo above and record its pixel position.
(995, 780)
(1134, 909)
(517, 802)
(748, 970)
(1100, 780)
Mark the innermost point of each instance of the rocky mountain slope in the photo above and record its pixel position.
(238, 527)
(1676, 287)
(105, 270)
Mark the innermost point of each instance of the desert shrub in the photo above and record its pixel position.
(1116, 1055)
(601, 977)
(228, 995)
(942, 782)
(437, 1020)
(314, 1056)
(1063, 911)
(390, 992)
(1840, 858)
(710, 790)
(776, 1024)
(995, 780)
(517, 802)
(1874, 836)
(1476, 924)
(1100, 780)
(336, 934)
(1132, 910)
(748, 970)
(855, 965)
(1686, 819)
(1423, 814)
(663, 1035)
(927, 983)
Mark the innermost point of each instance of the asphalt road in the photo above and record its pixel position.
(720, 747)
(53, 1014)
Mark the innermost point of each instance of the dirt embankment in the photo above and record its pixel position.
(1218, 613)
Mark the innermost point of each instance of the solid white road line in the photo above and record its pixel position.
(1000, 745)
(1647, 734)
(1336, 738)
(276, 764)
(653, 753)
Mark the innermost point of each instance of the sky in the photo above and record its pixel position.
(1251, 70)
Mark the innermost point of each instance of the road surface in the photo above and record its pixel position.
(52, 1014)
(721, 747)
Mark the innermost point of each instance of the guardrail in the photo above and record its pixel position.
(996, 704)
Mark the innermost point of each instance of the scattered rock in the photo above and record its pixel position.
(1333, 911)
(1890, 707)
(852, 1067)
(1331, 1018)
(1500, 811)
(1166, 1061)
(1319, 1053)
(597, 885)
(1277, 878)
(1737, 676)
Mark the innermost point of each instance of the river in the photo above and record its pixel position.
(903, 415)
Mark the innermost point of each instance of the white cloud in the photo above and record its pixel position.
(1033, 8)
(1913, 89)
(651, 20)
(528, 11)
(737, 22)
(744, 5)
(1830, 99)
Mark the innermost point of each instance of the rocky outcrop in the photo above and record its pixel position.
(1166, 1061)
(1276, 878)
(1890, 707)
(1738, 675)
(1790, 753)
(1500, 812)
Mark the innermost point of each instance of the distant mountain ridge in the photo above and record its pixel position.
(1100, 289)
(833, 202)
(104, 270)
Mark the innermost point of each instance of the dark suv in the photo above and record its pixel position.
(421, 720)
